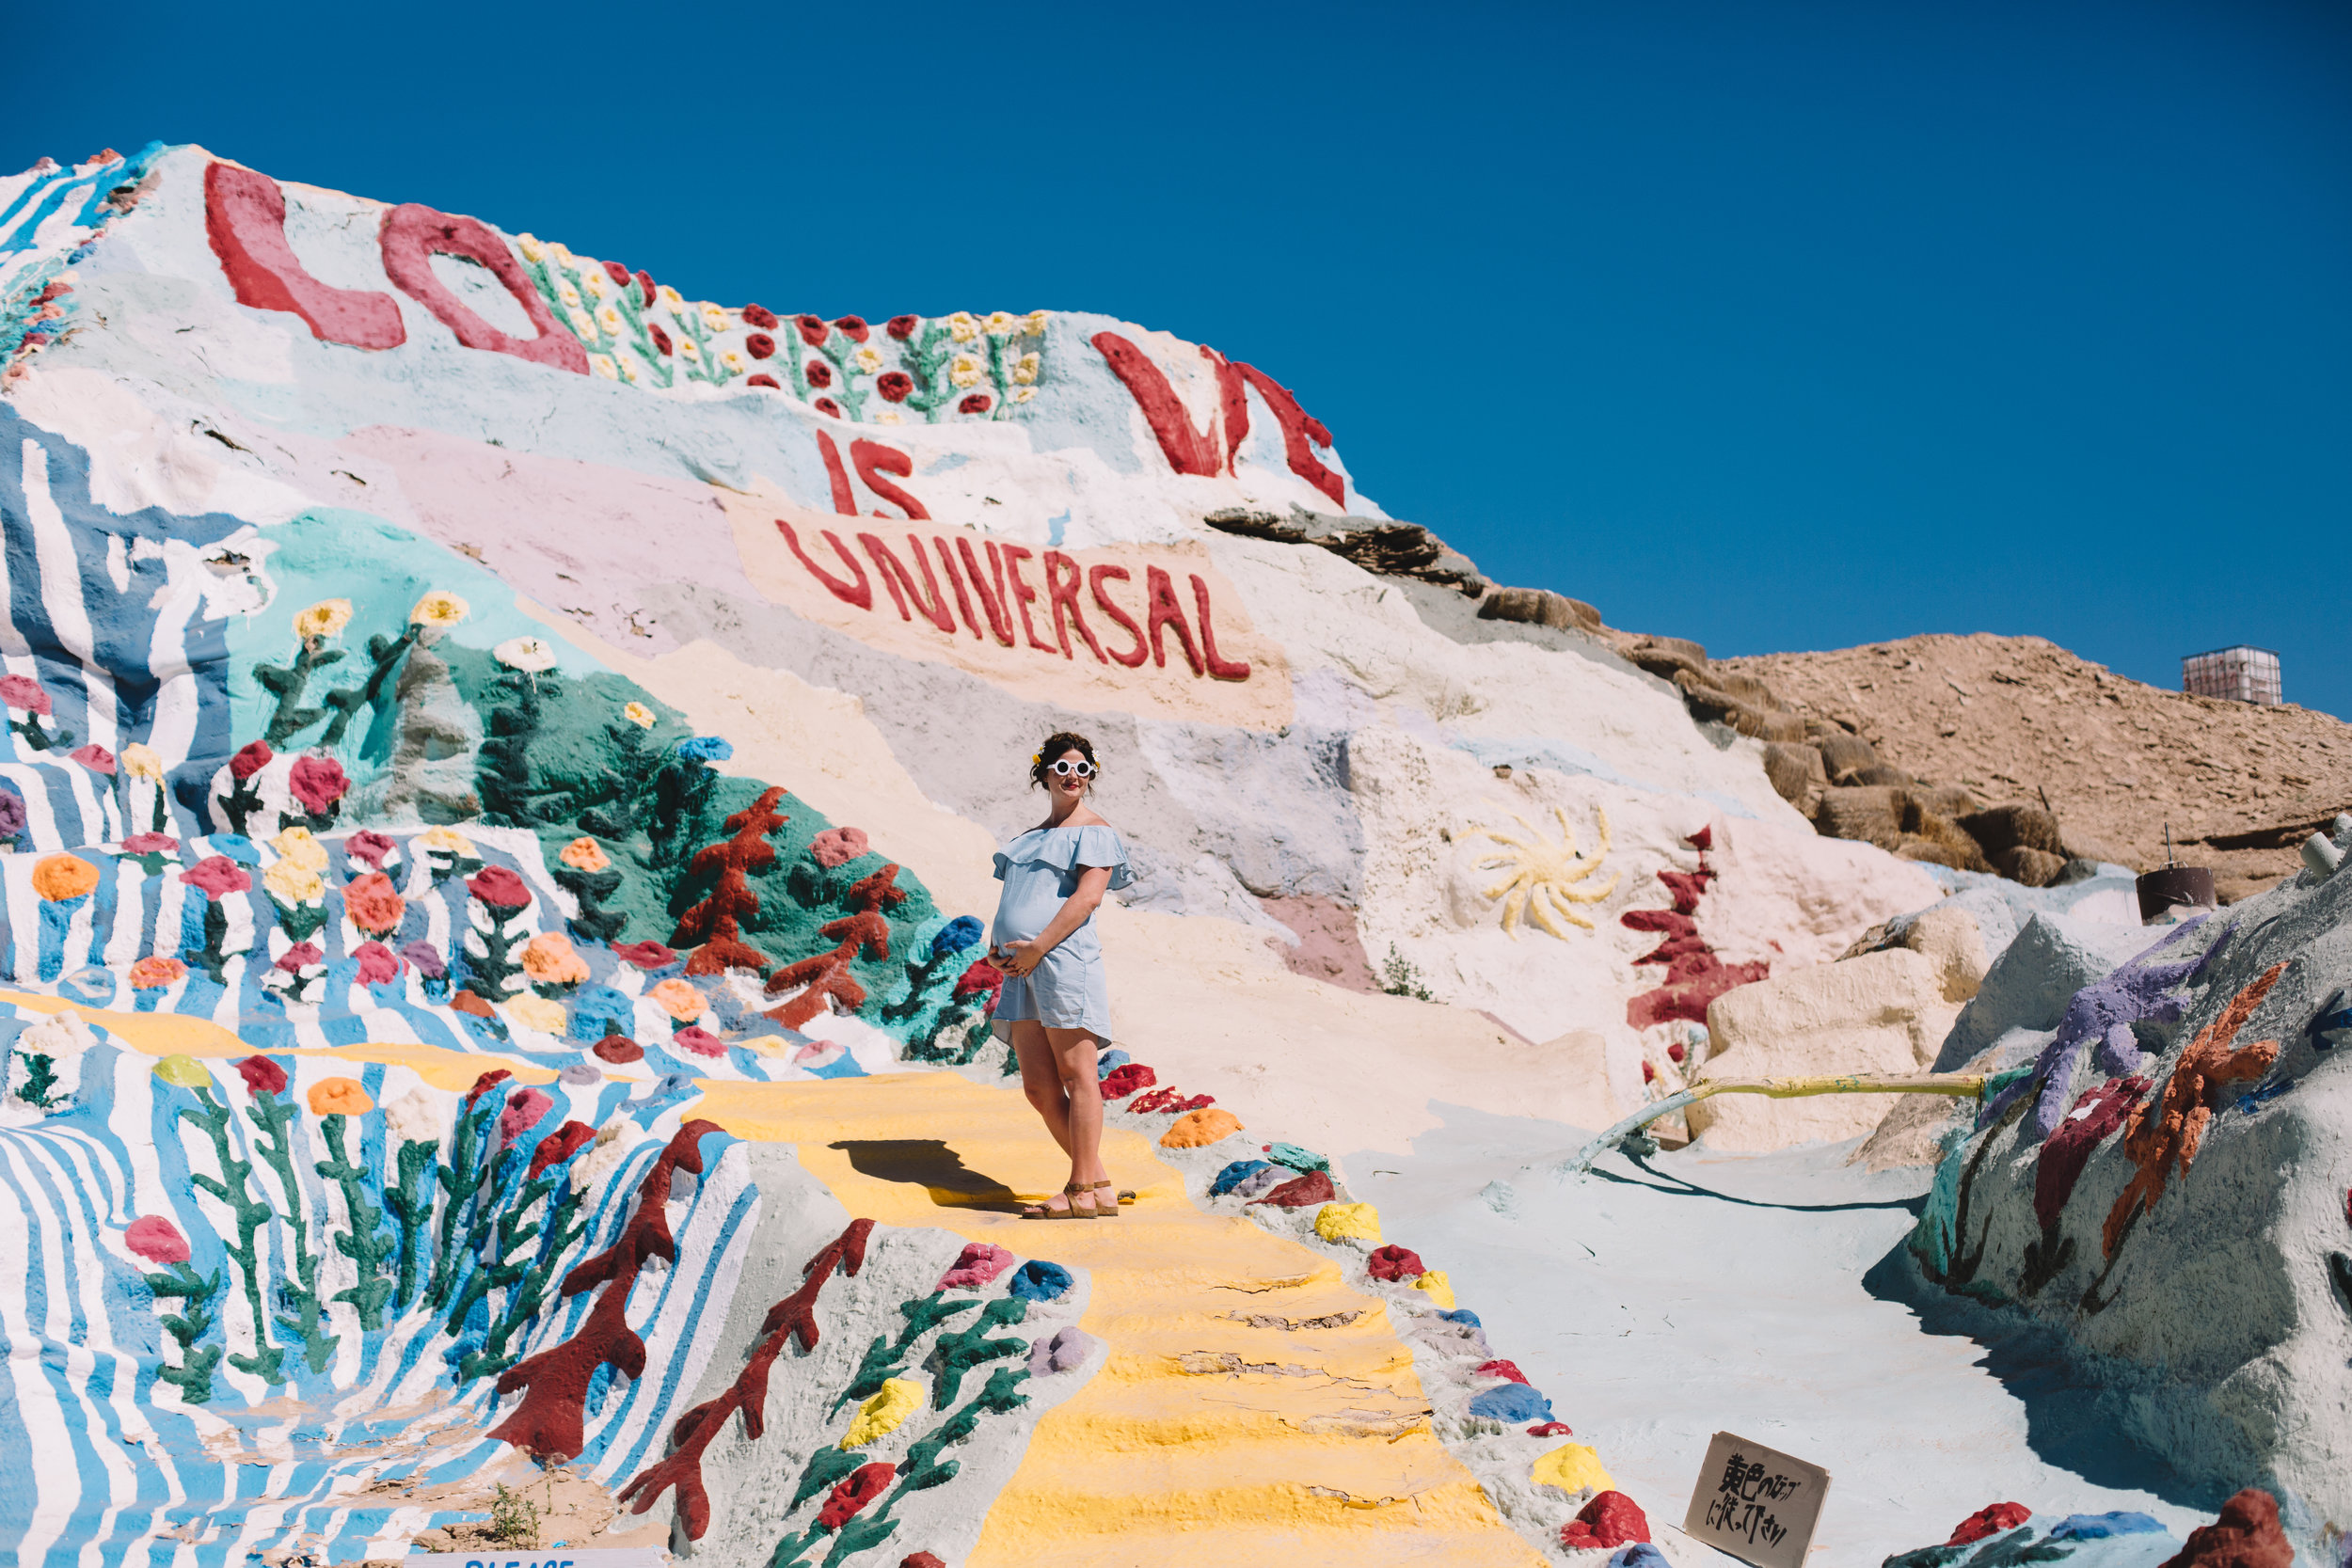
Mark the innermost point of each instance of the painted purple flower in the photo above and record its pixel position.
(428, 962)
(11, 814)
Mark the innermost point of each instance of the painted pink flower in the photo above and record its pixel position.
(261, 1075)
(301, 955)
(759, 345)
(150, 844)
(94, 757)
(851, 327)
(820, 373)
(826, 407)
(894, 385)
(976, 404)
(218, 875)
(660, 339)
(496, 885)
(377, 963)
(644, 954)
(22, 691)
(758, 315)
(524, 1108)
(699, 1040)
(813, 330)
(618, 273)
(837, 846)
(252, 760)
(157, 1240)
(369, 847)
(318, 782)
(902, 328)
(764, 379)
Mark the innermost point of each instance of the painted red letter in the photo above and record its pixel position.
(1101, 596)
(1298, 429)
(245, 217)
(844, 499)
(1060, 592)
(873, 461)
(1162, 610)
(1188, 450)
(411, 236)
(862, 595)
(1023, 595)
(894, 575)
(1218, 668)
(993, 604)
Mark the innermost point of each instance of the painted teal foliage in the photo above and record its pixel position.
(230, 1188)
(363, 1242)
(194, 1375)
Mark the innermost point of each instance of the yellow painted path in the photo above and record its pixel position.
(1254, 1409)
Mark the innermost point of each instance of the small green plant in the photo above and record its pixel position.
(514, 1518)
(1398, 978)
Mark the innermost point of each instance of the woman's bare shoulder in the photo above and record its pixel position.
(1087, 816)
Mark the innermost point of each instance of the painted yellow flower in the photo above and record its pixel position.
(1000, 324)
(537, 1012)
(340, 1097)
(585, 854)
(291, 883)
(561, 252)
(323, 619)
(439, 609)
(638, 715)
(965, 371)
(594, 280)
(628, 368)
(141, 761)
(298, 846)
(733, 362)
(867, 358)
(567, 294)
(679, 999)
(182, 1072)
(883, 1413)
(1035, 326)
(608, 320)
(604, 366)
(531, 248)
(962, 328)
(715, 319)
(889, 416)
(1023, 394)
(530, 653)
(1025, 369)
(447, 841)
(582, 329)
(670, 297)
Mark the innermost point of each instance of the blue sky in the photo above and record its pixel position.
(1790, 326)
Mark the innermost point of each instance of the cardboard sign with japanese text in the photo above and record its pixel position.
(1756, 1503)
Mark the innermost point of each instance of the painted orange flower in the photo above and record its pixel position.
(374, 904)
(585, 854)
(679, 999)
(63, 877)
(549, 960)
(340, 1097)
(155, 971)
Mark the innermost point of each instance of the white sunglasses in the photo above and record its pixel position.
(1066, 768)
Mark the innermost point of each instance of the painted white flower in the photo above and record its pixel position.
(597, 284)
(609, 320)
(1035, 326)
(605, 1155)
(446, 841)
(568, 294)
(56, 1036)
(529, 654)
(420, 1116)
(890, 415)
(866, 359)
(715, 319)
(628, 369)
(1023, 394)
(1024, 369)
(965, 371)
(1000, 324)
(603, 364)
(689, 351)
(670, 297)
(962, 327)
(531, 248)
(733, 362)
(583, 325)
(560, 252)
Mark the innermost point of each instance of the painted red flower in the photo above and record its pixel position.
(369, 847)
(218, 875)
(759, 345)
(847, 1499)
(22, 691)
(660, 339)
(150, 844)
(902, 328)
(495, 884)
(301, 955)
(559, 1146)
(261, 1075)
(813, 329)
(976, 404)
(820, 373)
(94, 757)
(644, 954)
(157, 1240)
(618, 273)
(894, 385)
(758, 315)
(701, 1041)
(318, 782)
(829, 408)
(252, 760)
(377, 963)
(645, 289)
(851, 327)
(763, 379)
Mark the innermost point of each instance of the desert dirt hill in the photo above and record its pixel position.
(2015, 718)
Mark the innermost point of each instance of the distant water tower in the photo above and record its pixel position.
(2239, 675)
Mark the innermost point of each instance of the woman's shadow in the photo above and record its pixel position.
(929, 1163)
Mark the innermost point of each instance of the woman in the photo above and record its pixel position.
(1054, 1005)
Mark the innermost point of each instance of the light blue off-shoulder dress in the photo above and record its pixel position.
(1040, 870)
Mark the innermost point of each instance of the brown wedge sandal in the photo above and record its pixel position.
(1046, 1211)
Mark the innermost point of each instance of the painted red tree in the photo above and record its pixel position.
(714, 927)
(827, 975)
(1695, 976)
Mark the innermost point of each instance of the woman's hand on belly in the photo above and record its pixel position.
(1019, 958)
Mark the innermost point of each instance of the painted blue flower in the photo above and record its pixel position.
(705, 748)
(960, 933)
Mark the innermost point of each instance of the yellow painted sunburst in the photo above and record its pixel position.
(1544, 875)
